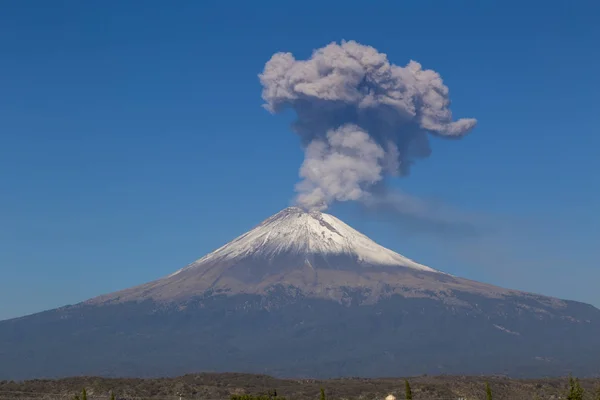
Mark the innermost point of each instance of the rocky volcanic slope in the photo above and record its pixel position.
(303, 294)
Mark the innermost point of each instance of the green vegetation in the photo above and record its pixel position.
(250, 397)
(488, 391)
(597, 393)
(575, 390)
(408, 391)
(271, 396)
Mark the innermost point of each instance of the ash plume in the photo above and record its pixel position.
(361, 119)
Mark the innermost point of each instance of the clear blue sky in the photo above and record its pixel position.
(132, 138)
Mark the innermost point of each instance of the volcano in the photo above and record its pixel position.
(305, 295)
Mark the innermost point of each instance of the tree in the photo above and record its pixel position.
(575, 389)
(408, 394)
(597, 394)
(488, 391)
(571, 388)
(112, 395)
(323, 394)
(578, 390)
(83, 394)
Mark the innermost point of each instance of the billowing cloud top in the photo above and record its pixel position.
(360, 117)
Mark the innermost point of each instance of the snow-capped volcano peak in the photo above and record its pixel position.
(295, 232)
(313, 252)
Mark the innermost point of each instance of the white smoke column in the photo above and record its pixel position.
(360, 118)
(339, 167)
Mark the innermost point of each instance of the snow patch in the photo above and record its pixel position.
(503, 329)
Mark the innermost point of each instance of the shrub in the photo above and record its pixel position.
(488, 391)
(575, 390)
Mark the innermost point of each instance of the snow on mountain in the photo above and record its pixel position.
(294, 231)
(310, 253)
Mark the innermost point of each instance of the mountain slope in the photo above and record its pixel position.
(314, 253)
(303, 294)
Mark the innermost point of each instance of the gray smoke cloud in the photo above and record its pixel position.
(361, 119)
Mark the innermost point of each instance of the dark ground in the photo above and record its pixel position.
(222, 386)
